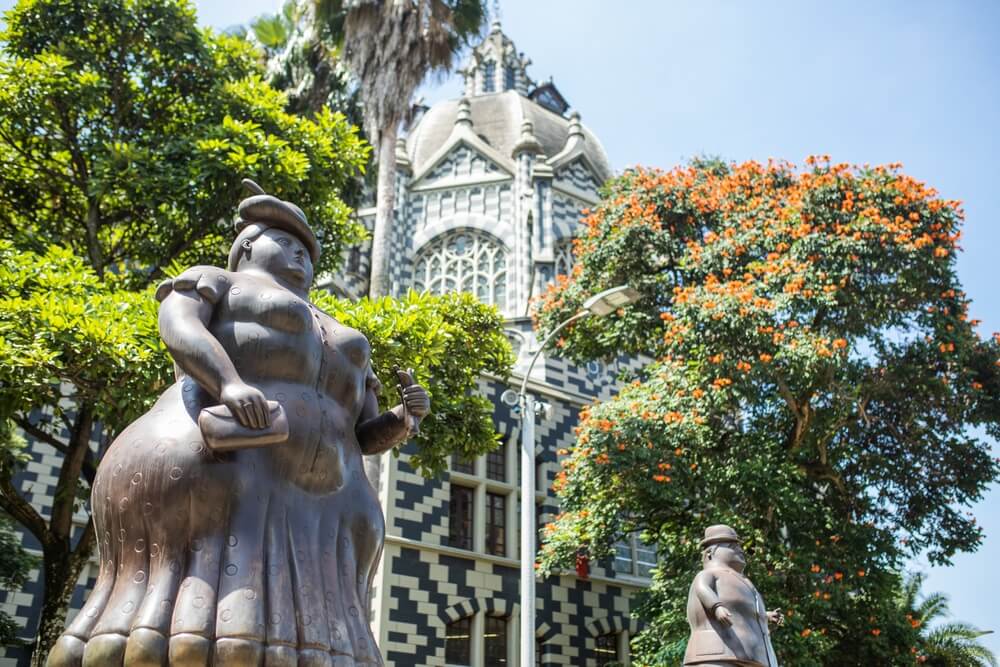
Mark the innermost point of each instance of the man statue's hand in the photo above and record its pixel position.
(775, 616)
(724, 616)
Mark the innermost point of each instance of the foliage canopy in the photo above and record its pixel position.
(126, 129)
(817, 384)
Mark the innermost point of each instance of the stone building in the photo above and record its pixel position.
(489, 193)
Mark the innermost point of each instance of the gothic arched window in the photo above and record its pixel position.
(564, 257)
(464, 261)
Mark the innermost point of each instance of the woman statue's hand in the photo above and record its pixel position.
(248, 404)
(416, 403)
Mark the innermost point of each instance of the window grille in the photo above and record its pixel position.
(509, 79)
(495, 641)
(460, 517)
(458, 642)
(606, 650)
(458, 464)
(496, 524)
(496, 463)
(633, 557)
(489, 76)
(464, 261)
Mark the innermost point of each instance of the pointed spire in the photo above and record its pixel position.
(464, 116)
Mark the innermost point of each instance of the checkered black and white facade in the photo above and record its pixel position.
(489, 193)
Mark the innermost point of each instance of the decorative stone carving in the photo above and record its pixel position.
(726, 613)
(235, 522)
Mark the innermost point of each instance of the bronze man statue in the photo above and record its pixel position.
(726, 613)
(235, 522)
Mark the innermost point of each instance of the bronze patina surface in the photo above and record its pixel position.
(253, 537)
(726, 613)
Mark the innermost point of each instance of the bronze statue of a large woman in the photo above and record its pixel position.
(235, 522)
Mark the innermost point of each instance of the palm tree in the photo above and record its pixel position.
(946, 645)
(273, 31)
(391, 46)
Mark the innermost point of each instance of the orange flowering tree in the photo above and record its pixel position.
(817, 384)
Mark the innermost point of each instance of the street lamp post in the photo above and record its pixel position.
(601, 304)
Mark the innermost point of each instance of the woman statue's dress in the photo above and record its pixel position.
(222, 558)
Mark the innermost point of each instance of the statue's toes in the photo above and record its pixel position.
(146, 648)
(232, 652)
(310, 657)
(67, 652)
(281, 656)
(105, 650)
(189, 650)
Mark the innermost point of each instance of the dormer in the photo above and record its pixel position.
(496, 66)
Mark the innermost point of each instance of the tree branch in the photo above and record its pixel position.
(19, 508)
(39, 434)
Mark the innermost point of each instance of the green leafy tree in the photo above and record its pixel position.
(126, 127)
(816, 383)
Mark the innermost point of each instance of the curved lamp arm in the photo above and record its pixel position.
(541, 348)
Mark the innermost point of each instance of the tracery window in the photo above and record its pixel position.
(464, 261)
(564, 258)
(508, 77)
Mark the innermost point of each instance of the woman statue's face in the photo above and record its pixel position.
(282, 255)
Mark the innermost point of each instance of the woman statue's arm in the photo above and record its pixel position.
(376, 432)
(183, 319)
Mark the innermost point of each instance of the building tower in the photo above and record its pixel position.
(491, 186)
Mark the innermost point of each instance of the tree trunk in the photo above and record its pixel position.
(378, 284)
(62, 563)
(62, 567)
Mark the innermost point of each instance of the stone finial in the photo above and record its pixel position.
(402, 158)
(495, 26)
(528, 143)
(464, 116)
(575, 127)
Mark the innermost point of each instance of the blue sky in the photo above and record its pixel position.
(910, 81)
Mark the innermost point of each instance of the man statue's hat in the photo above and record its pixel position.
(718, 535)
(269, 210)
